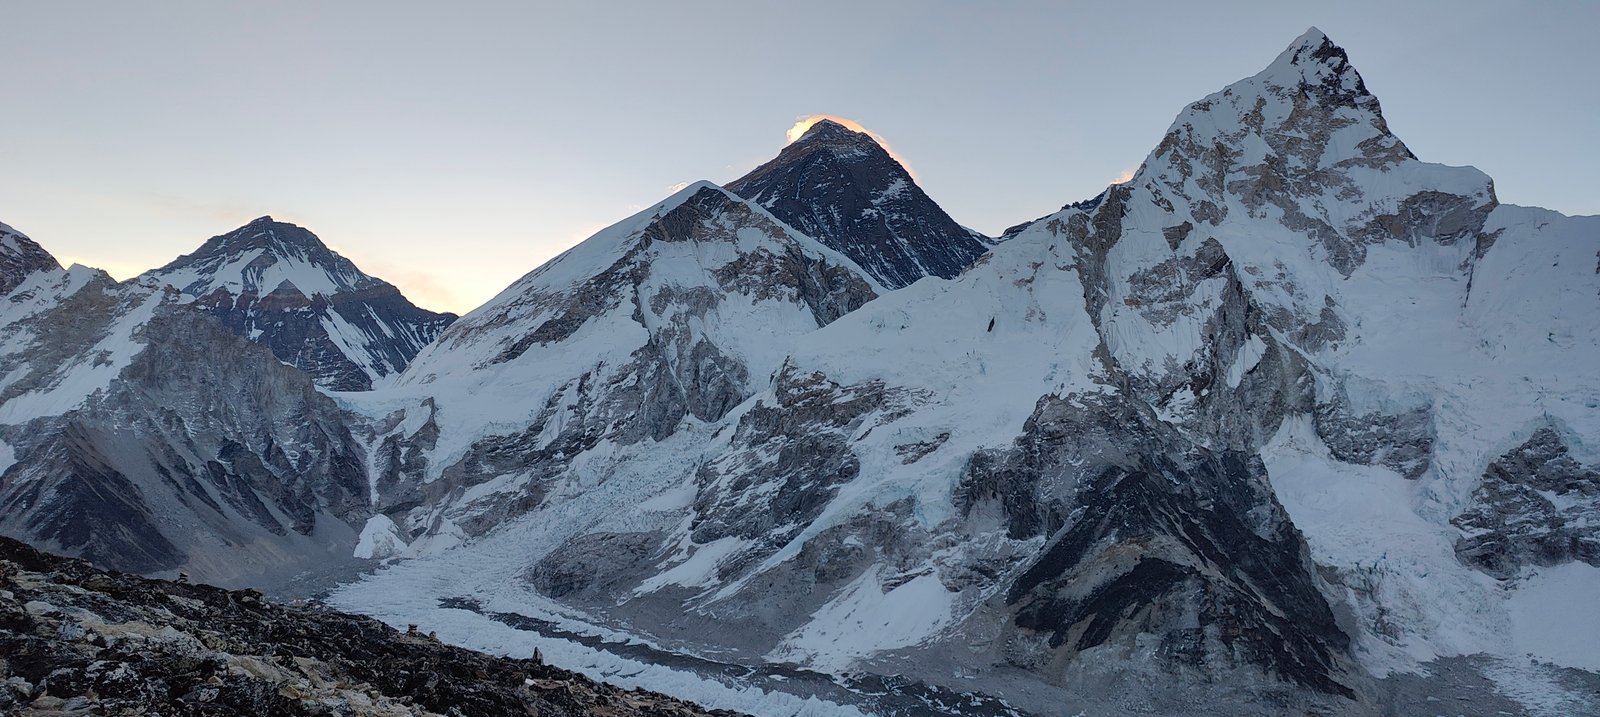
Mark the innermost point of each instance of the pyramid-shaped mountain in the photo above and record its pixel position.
(843, 189)
(277, 284)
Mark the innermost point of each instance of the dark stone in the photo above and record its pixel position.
(305, 658)
(842, 189)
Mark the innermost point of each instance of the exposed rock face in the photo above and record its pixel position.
(278, 285)
(799, 447)
(76, 640)
(21, 257)
(203, 452)
(1148, 539)
(839, 187)
(1537, 506)
(142, 434)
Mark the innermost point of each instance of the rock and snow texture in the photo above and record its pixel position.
(839, 187)
(278, 285)
(1421, 330)
(141, 433)
(21, 257)
(146, 437)
(658, 325)
(1226, 427)
(1291, 422)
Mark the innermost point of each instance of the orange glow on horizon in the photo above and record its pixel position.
(805, 123)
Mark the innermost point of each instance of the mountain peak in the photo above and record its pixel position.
(279, 285)
(845, 188)
(266, 234)
(1312, 37)
(261, 257)
(1314, 61)
(827, 130)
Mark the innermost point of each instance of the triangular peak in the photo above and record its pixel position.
(840, 184)
(1313, 60)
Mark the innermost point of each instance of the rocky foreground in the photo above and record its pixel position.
(78, 640)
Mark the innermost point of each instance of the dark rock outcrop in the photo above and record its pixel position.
(77, 640)
(20, 257)
(203, 453)
(1537, 505)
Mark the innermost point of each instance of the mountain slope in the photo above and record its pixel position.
(1250, 292)
(75, 638)
(839, 187)
(1292, 422)
(139, 432)
(167, 442)
(655, 327)
(1212, 443)
(280, 286)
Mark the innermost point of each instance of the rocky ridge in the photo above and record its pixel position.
(652, 329)
(21, 257)
(1285, 421)
(78, 640)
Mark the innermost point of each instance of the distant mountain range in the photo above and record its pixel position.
(1292, 422)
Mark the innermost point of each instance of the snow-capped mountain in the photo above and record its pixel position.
(1291, 422)
(1286, 418)
(140, 433)
(656, 326)
(21, 257)
(150, 427)
(278, 285)
(841, 188)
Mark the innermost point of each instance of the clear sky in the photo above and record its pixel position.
(450, 147)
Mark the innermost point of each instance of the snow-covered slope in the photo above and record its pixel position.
(278, 285)
(841, 188)
(1284, 262)
(1290, 422)
(656, 326)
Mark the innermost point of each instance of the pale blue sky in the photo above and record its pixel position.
(450, 147)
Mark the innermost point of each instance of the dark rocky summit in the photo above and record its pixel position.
(278, 285)
(77, 640)
(839, 187)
